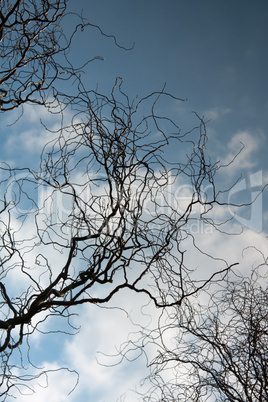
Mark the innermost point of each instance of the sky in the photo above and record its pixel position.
(215, 55)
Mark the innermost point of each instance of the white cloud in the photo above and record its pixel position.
(216, 113)
(29, 140)
(242, 148)
(29, 136)
(106, 329)
(102, 330)
(53, 387)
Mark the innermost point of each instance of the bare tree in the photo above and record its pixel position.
(35, 50)
(221, 351)
(121, 226)
(107, 216)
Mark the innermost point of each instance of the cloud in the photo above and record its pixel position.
(106, 329)
(216, 113)
(53, 387)
(94, 351)
(242, 149)
(29, 140)
(29, 135)
(102, 330)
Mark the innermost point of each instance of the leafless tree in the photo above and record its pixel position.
(107, 214)
(101, 213)
(221, 351)
(35, 50)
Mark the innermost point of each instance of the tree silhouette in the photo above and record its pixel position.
(220, 351)
(108, 214)
(35, 51)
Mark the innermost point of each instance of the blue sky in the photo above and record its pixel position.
(212, 53)
(215, 54)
